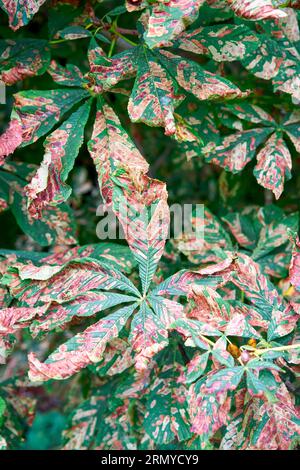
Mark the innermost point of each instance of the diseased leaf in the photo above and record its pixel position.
(238, 149)
(148, 336)
(154, 95)
(271, 426)
(256, 10)
(274, 165)
(140, 204)
(221, 43)
(166, 415)
(56, 224)
(23, 58)
(112, 149)
(194, 79)
(47, 187)
(81, 350)
(34, 114)
(168, 19)
(208, 413)
(20, 12)
(107, 72)
(70, 75)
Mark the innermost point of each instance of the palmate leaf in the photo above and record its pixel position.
(140, 204)
(262, 293)
(81, 350)
(212, 397)
(107, 72)
(269, 310)
(138, 193)
(263, 425)
(154, 95)
(238, 149)
(265, 232)
(20, 12)
(273, 160)
(276, 59)
(76, 291)
(217, 353)
(262, 232)
(23, 58)
(161, 79)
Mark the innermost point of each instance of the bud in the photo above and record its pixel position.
(245, 356)
(234, 350)
(252, 342)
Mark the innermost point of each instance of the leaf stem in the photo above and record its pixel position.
(277, 348)
(125, 39)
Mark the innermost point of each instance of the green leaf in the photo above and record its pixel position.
(81, 350)
(23, 58)
(168, 20)
(154, 95)
(48, 185)
(56, 224)
(166, 415)
(19, 12)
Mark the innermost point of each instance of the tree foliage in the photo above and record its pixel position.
(150, 342)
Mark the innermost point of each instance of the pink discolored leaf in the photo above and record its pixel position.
(274, 164)
(277, 424)
(81, 350)
(168, 19)
(48, 186)
(194, 79)
(154, 95)
(140, 204)
(112, 149)
(256, 9)
(11, 139)
(295, 266)
(22, 59)
(20, 12)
